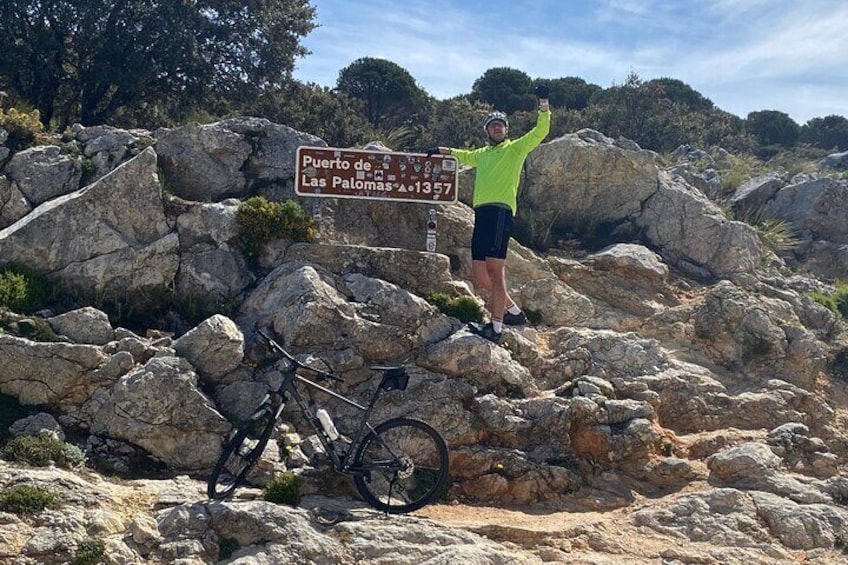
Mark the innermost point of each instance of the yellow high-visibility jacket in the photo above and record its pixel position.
(499, 166)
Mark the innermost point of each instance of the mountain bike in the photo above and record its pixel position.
(397, 466)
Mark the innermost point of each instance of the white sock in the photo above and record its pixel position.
(497, 325)
(514, 309)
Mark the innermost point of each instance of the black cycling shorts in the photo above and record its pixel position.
(492, 230)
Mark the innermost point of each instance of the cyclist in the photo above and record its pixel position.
(495, 191)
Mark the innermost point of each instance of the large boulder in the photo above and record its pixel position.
(203, 162)
(417, 271)
(754, 193)
(837, 161)
(310, 307)
(215, 347)
(159, 407)
(272, 160)
(43, 172)
(84, 325)
(59, 375)
(741, 329)
(583, 182)
(691, 232)
(121, 238)
(231, 158)
(825, 259)
(108, 147)
(590, 186)
(213, 270)
(816, 207)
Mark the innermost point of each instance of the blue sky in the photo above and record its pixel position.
(744, 55)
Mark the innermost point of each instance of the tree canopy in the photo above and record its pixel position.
(508, 90)
(102, 60)
(387, 90)
(573, 93)
(679, 92)
(772, 127)
(830, 133)
(315, 109)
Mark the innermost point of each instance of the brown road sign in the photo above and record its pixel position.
(376, 175)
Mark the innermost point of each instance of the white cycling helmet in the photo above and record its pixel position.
(493, 116)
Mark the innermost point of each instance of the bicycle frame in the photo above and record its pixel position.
(288, 388)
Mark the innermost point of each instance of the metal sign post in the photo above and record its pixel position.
(431, 230)
(317, 217)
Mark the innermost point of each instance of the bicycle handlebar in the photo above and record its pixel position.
(298, 365)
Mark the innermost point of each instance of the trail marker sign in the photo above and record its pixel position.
(376, 175)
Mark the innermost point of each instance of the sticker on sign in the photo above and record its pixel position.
(376, 175)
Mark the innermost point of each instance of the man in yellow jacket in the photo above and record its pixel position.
(495, 194)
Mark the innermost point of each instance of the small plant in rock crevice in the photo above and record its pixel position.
(27, 499)
(464, 308)
(260, 221)
(775, 234)
(41, 451)
(89, 552)
(226, 548)
(284, 488)
(836, 301)
(24, 128)
(23, 290)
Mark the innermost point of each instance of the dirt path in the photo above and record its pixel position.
(603, 538)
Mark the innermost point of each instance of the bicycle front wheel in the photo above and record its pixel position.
(401, 466)
(241, 453)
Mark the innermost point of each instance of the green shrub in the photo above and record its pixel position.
(226, 548)
(24, 291)
(40, 451)
(27, 499)
(826, 300)
(87, 169)
(283, 489)
(260, 221)
(836, 301)
(463, 308)
(88, 553)
(24, 127)
(13, 289)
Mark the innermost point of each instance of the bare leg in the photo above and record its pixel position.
(496, 269)
(480, 276)
(481, 279)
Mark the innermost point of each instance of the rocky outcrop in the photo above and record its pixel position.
(837, 161)
(121, 239)
(666, 364)
(602, 189)
(231, 158)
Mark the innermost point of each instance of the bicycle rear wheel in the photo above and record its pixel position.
(241, 453)
(401, 466)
